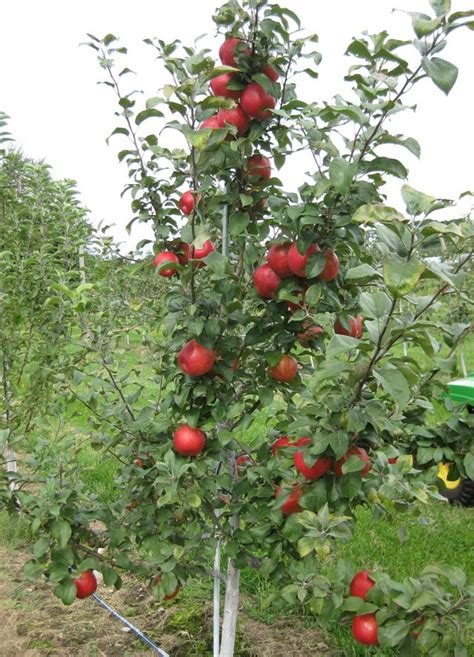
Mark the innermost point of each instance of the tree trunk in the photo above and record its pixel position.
(231, 609)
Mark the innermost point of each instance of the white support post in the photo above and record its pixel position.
(82, 264)
(10, 466)
(231, 609)
(216, 622)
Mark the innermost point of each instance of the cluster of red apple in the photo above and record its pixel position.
(195, 359)
(315, 470)
(253, 101)
(184, 252)
(364, 626)
(283, 261)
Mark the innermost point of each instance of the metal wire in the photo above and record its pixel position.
(134, 629)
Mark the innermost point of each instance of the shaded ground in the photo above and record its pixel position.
(34, 623)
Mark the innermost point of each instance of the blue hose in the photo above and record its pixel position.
(134, 629)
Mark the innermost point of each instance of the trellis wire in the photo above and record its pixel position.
(135, 630)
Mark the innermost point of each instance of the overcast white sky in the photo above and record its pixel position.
(59, 113)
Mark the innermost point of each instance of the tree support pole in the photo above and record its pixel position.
(231, 608)
(216, 623)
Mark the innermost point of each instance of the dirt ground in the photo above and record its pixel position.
(34, 623)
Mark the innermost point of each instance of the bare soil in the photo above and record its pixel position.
(33, 623)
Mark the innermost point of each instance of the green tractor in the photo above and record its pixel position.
(453, 487)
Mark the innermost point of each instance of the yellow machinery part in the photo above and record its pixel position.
(443, 472)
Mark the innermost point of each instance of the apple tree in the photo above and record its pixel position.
(312, 304)
(43, 230)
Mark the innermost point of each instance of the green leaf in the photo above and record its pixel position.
(238, 222)
(340, 344)
(61, 531)
(443, 73)
(341, 174)
(339, 443)
(388, 165)
(457, 15)
(424, 25)
(441, 7)
(401, 276)
(469, 465)
(305, 546)
(147, 114)
(394, 383)
(424, 599)
(454, 574)
(66, 592)
(315, 264)
(404, 463)
(353, 464)
(390, 634)
(217, 262)
(40, 547)
(416, 202)
(376, 305)
(374, 213)
(361, 271)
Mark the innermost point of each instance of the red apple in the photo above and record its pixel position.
(309, 334)
(139, 463)
(310, 472)
(393, 460)
(266, 281)
(285, 370)
(331, 268)
(364, 629)
(86, 584)
(356, 327)
(188, 441)
(292, 502)
(361, 583)
(242, 461)
(259, 166)
(187, 201)
(271, 73)
(183, 252)
(219, 86)
(284, 442)
(166, 256)
(231, 49)
(277, 258)
(195, 360)
(297, 262)
(354, 451)
(256, 102)
(212, 122)
(279, 443)
(235, 117)
(204, 250)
